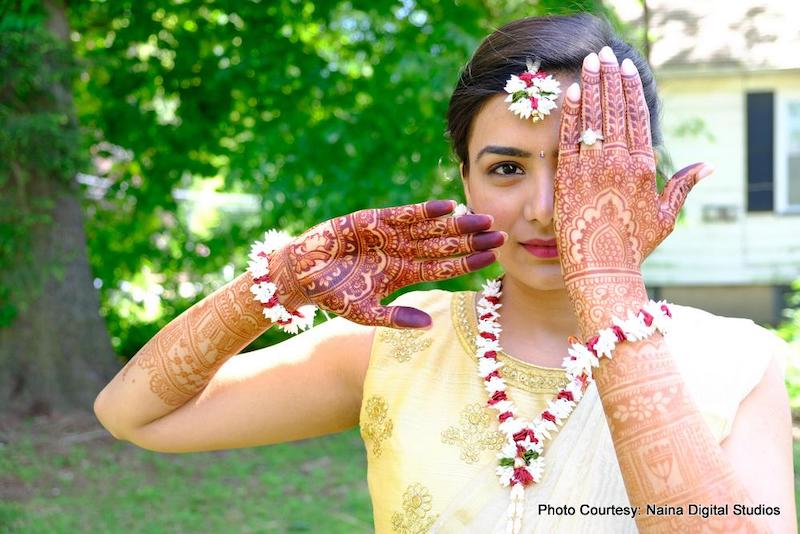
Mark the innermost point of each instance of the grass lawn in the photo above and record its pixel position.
(67, 475)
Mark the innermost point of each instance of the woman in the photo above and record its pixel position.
(671, 429)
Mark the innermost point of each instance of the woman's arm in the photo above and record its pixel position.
(760, 448)
(345, 265)
(669, 457)
(309, 385)
(609, 216)
(179, 361)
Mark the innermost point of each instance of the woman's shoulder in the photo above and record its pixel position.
(722, 359)
(682, 312)
(737, 334)
(735, 351)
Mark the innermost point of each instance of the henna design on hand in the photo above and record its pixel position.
(614, 105)
(609, 215)
(347, 264)
(608, 218)
(591, 109)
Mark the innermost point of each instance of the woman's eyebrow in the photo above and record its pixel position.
(503, 151)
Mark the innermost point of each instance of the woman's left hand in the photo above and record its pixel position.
(609, 215)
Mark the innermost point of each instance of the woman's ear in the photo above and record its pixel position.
(465, 182)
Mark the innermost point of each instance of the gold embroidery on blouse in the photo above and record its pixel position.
(416, 517)
(475, 433)
(525, 376)
(377, 426)
(404, 343)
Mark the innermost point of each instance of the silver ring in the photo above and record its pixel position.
(590, 137)
(461, 209)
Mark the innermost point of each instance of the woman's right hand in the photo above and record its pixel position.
(348, 264)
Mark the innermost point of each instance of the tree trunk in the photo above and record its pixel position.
(56, 356)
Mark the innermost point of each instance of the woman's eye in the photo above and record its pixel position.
(505, 169)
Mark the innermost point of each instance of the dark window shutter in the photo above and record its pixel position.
(760, 151)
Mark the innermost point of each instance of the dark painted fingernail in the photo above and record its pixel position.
(479, 260)
(686, 170)
(437, 208)
(411, 318)
(487, 240)
(474, 223)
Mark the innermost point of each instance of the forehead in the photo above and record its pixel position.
(496, 125)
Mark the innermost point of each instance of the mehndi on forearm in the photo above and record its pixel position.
(182, 357)
(600, 295)
(666, 452)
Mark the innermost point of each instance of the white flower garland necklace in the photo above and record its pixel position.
(521, 461)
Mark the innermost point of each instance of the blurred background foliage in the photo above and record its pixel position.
(790, 331)
(37, 134)
(191, 127)
(202, 123)
(208, 122)
(194, 125)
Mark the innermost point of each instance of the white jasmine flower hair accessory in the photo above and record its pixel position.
(532, 93)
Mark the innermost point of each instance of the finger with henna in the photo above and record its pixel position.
(400, 215)
(432, 270)
(450, 226)
(444, 247)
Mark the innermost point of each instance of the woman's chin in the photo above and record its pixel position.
(542, 277)
(545, 283)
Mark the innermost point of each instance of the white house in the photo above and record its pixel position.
(729, 78)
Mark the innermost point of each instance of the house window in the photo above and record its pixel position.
(773, 151)
(791, 189)
(760, 128)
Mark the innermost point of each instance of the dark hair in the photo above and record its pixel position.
(560, 43)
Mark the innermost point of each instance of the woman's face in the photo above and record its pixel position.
(509, 180)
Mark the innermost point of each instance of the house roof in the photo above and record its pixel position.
(719, 34)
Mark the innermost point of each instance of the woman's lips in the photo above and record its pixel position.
(541, 248)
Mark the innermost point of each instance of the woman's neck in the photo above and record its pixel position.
(536, 323)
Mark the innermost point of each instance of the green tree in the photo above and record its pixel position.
(314, 108)
(56, 353)
(305, 110)
(789, 330)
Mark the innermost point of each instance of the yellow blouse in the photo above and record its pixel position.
(432, 442)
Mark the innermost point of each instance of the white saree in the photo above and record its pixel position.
(431, 442)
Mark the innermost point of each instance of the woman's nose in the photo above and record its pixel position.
(539, 201)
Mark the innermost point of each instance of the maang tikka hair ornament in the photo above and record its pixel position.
(532, 93)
